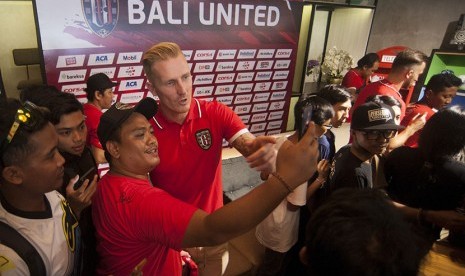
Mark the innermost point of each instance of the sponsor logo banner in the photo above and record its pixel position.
(70, 61)
(274, 124)
(72, 75)
(204, 54)
(203, 79)
(244, 88)
(259, 117)
(276, 115)
(241, 109)
(135, 84)
(226, 54)
(203, 91)
(225, 66)
(76, 89)
(241, 99)
(129, 71)
(224, 89)
(133, 57)
(109, 71)
(204, 67)
(227, 100)
(101, 59)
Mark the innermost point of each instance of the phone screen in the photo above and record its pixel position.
(89, 174)
(306, 118)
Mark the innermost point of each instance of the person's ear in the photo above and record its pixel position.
(303, 255)
(113, 149)
(428, 93)
(98, 94)
(150, 87)
(409, 73)
(13, 175)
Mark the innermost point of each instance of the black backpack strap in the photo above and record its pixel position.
(14, 240)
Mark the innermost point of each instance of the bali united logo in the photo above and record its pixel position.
(204, 138)
(101, 15)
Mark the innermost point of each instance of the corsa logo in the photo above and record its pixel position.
(101, 15)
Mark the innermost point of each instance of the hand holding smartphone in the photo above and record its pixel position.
(89, 174)
(306, 118)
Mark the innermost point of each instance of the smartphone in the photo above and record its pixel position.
(89, 174)
(306, 118)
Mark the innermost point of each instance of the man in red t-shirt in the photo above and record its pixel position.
(99, 94)
(406, 68)
(439, 92)
(135, 220)
(356, 78)
(190, 133)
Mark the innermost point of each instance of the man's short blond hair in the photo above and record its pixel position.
(158, 52)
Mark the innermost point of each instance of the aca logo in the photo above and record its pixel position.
(101, 15)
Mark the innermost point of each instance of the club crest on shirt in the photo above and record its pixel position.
(204, 138)
(101, 15)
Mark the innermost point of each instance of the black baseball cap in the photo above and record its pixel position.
(119, 112)
(374, 116)
(100, 82)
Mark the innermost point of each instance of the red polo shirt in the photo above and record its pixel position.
(352, 79)
(190, 154)
(93, 115)
(382, 87)
(413, 110)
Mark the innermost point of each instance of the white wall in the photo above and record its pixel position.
(17, 30)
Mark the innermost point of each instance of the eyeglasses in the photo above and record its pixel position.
(375, 134)
(25, 116)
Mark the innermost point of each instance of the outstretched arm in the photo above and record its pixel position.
(295, 164)
(258, 151)
(448, 219)
(417, 123)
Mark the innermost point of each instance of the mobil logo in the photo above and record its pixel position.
(129, 57)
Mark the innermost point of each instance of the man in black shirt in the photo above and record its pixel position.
(355, 165)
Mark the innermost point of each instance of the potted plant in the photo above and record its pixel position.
(336, 62)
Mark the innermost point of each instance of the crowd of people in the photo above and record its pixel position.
(372, 207)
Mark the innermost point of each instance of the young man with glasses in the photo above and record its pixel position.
(30, 207)
(356, 165)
